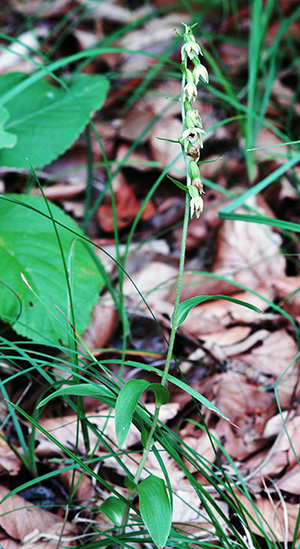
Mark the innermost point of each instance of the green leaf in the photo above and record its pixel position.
(7, 140)
(161, 393)
(99, 392)
(155, 508)
(47, 119)
(185, 306)
(178, 184)
(29, 249)
(132, 487)
(127, 402)
(125, 406)
(114, 509)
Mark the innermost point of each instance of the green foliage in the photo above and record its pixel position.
(7, 140)
(100, 392)
(33, 293)
(114, 509)
(44, 119)
(127, 402)
(186, 306)
(155, 508)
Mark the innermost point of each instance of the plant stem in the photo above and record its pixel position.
(168, 361)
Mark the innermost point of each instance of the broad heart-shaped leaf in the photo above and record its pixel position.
(7, 140)
(100, 392)
(47, 119)
(155, 508)
(185, 306)
(36, 304)
(113, 508)
(127, 402)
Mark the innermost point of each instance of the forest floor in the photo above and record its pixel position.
(244, 362)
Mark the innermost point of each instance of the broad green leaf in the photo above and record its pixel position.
(7, 140)
(185, 306)
(29, 249)
(127, 402)
(99, 392)
(155, 508)
(47, 119)
(114, 509)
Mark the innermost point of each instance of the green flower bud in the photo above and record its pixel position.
(194, 170)
(193, 192)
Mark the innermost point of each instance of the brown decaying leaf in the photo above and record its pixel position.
(153, 281)
(20, 519)
(50, 537)
(282, 454)
(165, 152)
(101, 327)
(274, 355)
(247, 253)
(9, 461)
(278, 517)
(287, 289)
(127, 206)
(9, 543)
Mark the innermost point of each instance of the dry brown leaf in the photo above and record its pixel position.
(136, 120)
(228, 339)
(60, 190)
(49, 538)
(274, 355)
(155, 36)
(138, 159)
(279, 517)
(266, 138)
(290, 482)
(153, 281)
(249, 253)
(201, 443)
(9, 543)
(102, 325)
(85, 490)
(64, 431)
(46, 9)
(283, 455)
(245, 406)
(19, 518)
(9, 462)
(287, 289)
(165, 152)
(127, 206)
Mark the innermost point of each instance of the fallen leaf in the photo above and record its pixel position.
(272, 357)
(287, 289)
(9, 461)
(277, 517)
(165, 152)
(19, 518)
(102, 325)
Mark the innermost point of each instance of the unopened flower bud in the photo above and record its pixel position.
(193, 192)
(194, 170)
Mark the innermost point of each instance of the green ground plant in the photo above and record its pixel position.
(149, 521)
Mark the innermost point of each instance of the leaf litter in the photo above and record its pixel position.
(233, 356)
